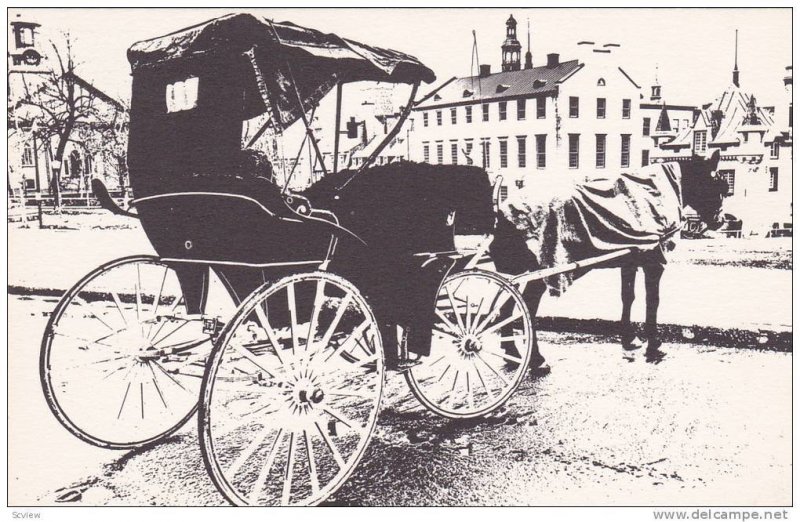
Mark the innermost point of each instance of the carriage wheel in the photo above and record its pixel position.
(480, 348)
(292, 392)
(121, 362)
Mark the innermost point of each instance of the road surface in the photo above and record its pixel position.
(706, 426)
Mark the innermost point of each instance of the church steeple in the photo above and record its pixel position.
(736, 60)
(511, 47)
(528, 55)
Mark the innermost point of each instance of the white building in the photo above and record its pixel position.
(580, 117)
(755, 143)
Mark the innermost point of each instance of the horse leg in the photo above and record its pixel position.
(533, 296)
(652, 279)
(628, 272)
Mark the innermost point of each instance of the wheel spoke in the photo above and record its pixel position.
(138, 297)
(248, 451)
(343, 304)
(157, 301)
(319, 299)
(170, 334)
(483, 383)
(312, 465)
(353, 335)
(453, 328)
(84, 304)
(341, 417)
(505, 356)
(118, 303)
(271, 335)
(82, 339)
(262, 474)
(250, 357)
(155, 383)
(511, 318)
(287, 478)
(290, 297)
(333, 449)
(167, 373)
(494, 371)
(468, 318)
(455, 308)
(494, 309)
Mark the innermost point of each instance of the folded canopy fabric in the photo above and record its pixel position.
(567, 221)
(286, 55)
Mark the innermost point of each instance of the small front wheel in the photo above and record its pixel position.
(480, 348)
(292, 392)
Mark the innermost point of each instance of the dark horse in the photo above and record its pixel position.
(701, 189)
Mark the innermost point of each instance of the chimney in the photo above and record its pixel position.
(485, 70)
(552, 59)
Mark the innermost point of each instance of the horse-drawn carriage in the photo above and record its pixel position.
(288, 385)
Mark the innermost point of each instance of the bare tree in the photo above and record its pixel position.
(107, 140)
(61, 103)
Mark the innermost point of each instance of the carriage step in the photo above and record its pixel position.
(404, 365)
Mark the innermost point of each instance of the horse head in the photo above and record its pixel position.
(703, 189)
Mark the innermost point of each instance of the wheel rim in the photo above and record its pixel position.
(480, 347)
(287, 426)
(122, 362)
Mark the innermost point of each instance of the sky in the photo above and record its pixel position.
(693, 48)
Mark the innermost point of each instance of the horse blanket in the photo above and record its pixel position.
(566, 221)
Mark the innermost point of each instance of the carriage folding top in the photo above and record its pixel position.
(194, 184)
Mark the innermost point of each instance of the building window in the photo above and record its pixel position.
(646, 127)
(600, 151)
(521, 152)
(729, 176)
(601, 108)
(502, 107)
(503, 153)
(541, 108)
(775, 150)
(27, 155)
(573, 107)
(574, 150)
(439, 152)
(773, 179)
(541, 151)
(675, 124)
(626, 109)
(645, 158)
(182, 95)
(601, 82)
(439, 118)
(453, 118)
(485, 112)
(426, 153)
(469, 113)
(700, 141)
(468, 152)
(454, 152)
(521, 109)
(424, 119)
(485, 149)
(625, 159)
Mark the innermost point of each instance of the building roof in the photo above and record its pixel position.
(508, 84)
(725, 118)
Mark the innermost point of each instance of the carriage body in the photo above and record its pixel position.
(320, 280)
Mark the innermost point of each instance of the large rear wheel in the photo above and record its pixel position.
(292, 392)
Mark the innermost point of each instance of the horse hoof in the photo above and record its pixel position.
(632, 344)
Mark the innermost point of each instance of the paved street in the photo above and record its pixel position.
(601, 429)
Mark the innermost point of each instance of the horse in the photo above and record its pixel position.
(701, 189)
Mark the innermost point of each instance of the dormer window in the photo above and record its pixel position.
(182, 95)
(467, 93)
(502, 87)
(538, 84)
(601, 82)
(436, 97)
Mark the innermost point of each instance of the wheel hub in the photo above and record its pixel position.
(470, 346)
